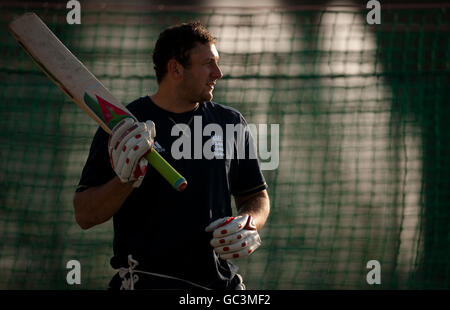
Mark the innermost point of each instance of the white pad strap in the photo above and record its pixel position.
(128, 283)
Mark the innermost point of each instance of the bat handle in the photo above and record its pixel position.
(166, 170)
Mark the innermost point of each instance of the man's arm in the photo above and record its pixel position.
(256, 205)
(130, 141)
(98, 204)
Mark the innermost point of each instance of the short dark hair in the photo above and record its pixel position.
(177, 42)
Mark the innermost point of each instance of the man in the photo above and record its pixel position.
(164, 238)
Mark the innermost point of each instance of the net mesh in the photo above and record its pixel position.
(364, 124)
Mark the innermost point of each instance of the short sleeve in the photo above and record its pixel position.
(246, 174)
(97, 170)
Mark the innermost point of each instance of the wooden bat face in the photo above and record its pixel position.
(74, 79)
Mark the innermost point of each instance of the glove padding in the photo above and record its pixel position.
(234, 237)
(130, 141)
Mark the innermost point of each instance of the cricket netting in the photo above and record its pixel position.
(364, 131)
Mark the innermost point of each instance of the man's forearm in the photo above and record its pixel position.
(98, 204)
(257, 205)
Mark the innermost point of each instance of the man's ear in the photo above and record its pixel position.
(175, 69)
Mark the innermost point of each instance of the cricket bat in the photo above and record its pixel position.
(66, 71)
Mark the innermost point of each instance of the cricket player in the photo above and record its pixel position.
(164, 239)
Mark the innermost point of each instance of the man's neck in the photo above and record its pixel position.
(169, 102)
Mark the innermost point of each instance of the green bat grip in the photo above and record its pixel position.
(166, 170)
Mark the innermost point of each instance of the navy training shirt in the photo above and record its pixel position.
(164, 229)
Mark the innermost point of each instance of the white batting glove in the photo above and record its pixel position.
(234, 237)
(130, 141)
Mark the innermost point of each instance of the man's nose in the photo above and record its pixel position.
(217, 73)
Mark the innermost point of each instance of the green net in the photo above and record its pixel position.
(364, 126)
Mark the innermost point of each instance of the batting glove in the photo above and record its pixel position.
(130, 141)
(234, 237)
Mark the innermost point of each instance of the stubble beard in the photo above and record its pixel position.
(205, 96)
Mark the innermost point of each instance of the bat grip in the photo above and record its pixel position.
(166, 170)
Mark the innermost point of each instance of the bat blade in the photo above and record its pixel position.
(74, 79)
